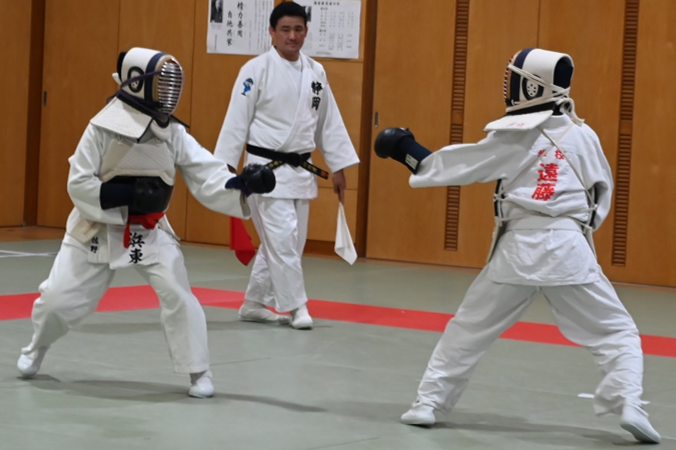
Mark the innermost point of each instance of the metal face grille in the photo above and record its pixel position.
(170, 86)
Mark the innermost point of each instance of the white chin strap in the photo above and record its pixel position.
(559, 95)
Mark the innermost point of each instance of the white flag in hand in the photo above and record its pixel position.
(344, 246)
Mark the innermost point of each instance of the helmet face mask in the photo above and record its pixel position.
(150, 79)
(536, 77)
(168, 86)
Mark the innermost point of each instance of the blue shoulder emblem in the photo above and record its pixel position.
(247, 85)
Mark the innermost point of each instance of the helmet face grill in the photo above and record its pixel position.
(505, 84)
(511, 79)
(169, 86)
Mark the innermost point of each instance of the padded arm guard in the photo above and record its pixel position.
(400, 145)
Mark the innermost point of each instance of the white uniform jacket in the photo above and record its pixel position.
(204, 175)
(542, 186)
(266, 111)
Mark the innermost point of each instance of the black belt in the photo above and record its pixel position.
(292, 159)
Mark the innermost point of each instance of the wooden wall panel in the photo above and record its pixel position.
(345, 79)
(80, 53)
(171, 30)
(597, 55)
(412, 88)
(625, 136)
(15, 27)
(497, 29)
(324, 214)
(213, 78)
(651, 240)
(457, 117)
(369, 55)
(34, 112)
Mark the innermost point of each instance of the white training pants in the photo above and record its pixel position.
(74, 287)
(590, 315)
(277, 275)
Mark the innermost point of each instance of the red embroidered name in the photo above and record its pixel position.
(558, 154)
(549, 172)
(547, 178)
(544, 191)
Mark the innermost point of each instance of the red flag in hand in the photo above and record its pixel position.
(240, 241)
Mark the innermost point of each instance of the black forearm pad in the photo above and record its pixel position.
(400, 145)
(414, 153)
(114, 195)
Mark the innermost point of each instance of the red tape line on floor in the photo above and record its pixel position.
(18, 306)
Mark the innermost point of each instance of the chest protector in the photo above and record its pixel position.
(148, 159)
(129, 160)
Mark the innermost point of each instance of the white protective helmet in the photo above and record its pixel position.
(536, 83)
(154, 77)
(151, 83)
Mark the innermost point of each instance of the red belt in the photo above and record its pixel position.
(148, 221)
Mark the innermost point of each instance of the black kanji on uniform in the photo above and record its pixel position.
(315, 102)
(317, 87)
(94, 247)
(136, 240)
(135, 255)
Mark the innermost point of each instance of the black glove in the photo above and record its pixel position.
(143, 195)
(400, 145)
(151, 195)
(254, 179)
(115, 194)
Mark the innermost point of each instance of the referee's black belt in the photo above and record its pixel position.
(292, 159)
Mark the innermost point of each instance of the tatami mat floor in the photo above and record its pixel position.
(343, 385)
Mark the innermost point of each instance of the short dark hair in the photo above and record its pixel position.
(284, 9)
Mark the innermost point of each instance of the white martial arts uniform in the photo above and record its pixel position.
(93, 245)
(542, 248)
(270, 109)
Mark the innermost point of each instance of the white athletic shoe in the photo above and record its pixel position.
(29, 365)
(300, 318)
(419, 414)
(635, 421)
(201, 385)
(257, 312)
